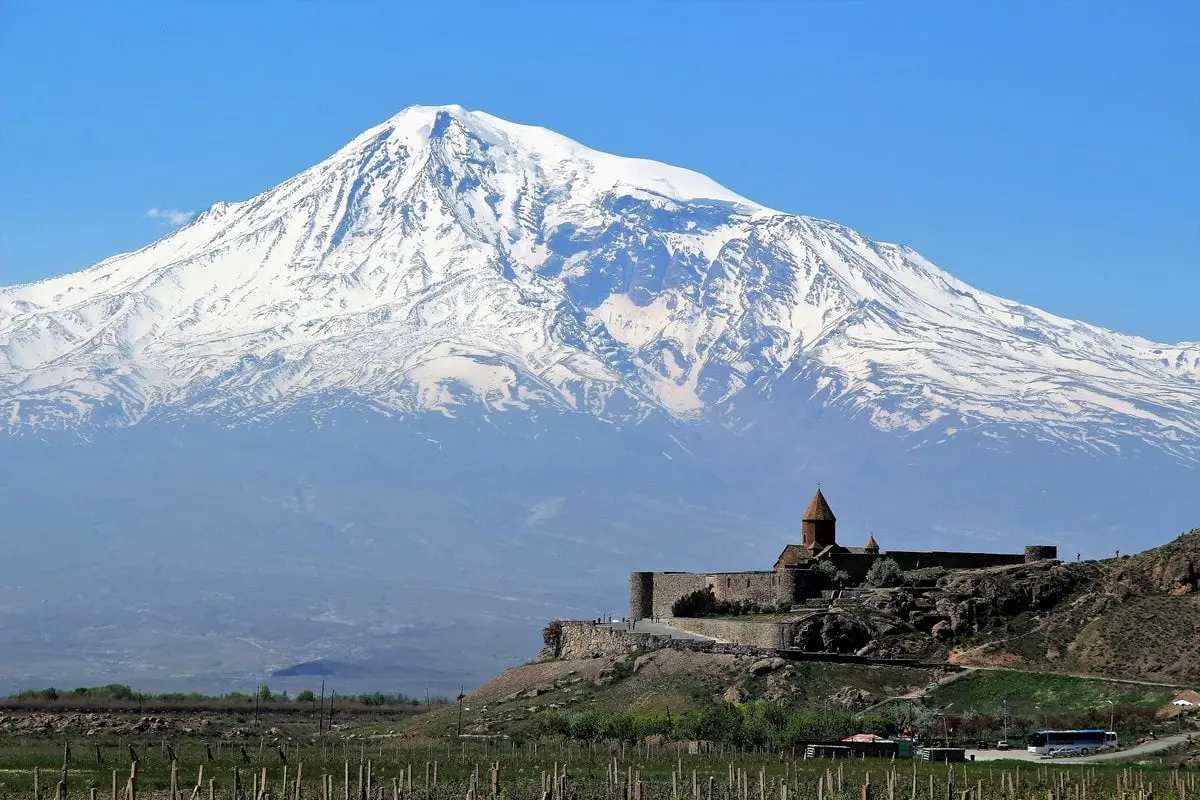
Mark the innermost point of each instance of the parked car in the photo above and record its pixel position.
(1060, 752)
(1002, 744)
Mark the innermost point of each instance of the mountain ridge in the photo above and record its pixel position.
(448, 257)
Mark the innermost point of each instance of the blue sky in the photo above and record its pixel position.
(1042, 151)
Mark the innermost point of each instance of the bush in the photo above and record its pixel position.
(307, 696)
(830, 576)
(373, 699)
(885, 573)
(552, 636)
(703, 603)
(700, 603)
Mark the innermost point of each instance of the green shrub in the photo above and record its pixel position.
(700, 603)
(885, 573)
(704, 603)
(552, 636)
(373, 699)
(829, 576)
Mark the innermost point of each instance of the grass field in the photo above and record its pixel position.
(1029, 694)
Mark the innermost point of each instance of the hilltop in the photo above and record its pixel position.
(1052, 635)
(1134, 617)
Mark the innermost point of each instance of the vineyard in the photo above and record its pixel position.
(33, 768)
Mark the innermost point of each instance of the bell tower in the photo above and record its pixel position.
(819, 526)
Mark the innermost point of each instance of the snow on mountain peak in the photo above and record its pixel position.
(552, 152)
(447, 256)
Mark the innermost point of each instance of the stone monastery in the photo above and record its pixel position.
(795, 576)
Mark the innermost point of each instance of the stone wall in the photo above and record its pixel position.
(756, 587)
(913, 560)
(856, 565)
(654, 593)
(764, 635)
(1040, 552)
(585, 640)
(667, 587)
(641, 595)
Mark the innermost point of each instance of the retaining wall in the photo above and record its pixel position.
(767, 635)
(586, 640)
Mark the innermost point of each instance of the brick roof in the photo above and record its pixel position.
(792, 554)
(818, 510)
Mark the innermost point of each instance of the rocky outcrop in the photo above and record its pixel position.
(1172, 570)
(765, 665)
(974, 602)
(828, 633)
(852, 699)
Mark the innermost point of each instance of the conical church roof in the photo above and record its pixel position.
(818, 510)
(871, 546)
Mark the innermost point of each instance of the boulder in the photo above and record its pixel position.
(765, 665)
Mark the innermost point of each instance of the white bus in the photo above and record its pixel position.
(1082, 742)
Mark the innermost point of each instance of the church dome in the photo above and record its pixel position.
(818, 509)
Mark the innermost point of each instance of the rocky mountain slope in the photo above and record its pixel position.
(1132, 617)
(448, 257)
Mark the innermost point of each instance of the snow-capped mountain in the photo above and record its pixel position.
(465, 375)
(448, 257)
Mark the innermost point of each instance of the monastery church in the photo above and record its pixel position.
(794, 578)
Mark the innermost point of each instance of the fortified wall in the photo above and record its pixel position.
(794, 578)
(651, 594)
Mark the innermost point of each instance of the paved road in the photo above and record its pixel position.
(1137, 751)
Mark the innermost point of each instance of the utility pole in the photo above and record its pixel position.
(1005, 717)
(461, 694)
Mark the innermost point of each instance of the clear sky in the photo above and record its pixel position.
(1044, 151)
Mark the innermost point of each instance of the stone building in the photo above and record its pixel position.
(794, 577)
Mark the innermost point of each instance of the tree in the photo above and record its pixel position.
(264, 693)
(700, 603)
(585, 724)
(830, 575)
(307, 696)
(552, 636)
(373, 699)
(885, 573)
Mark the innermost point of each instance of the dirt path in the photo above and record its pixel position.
(1082, 676)
(918, 694)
